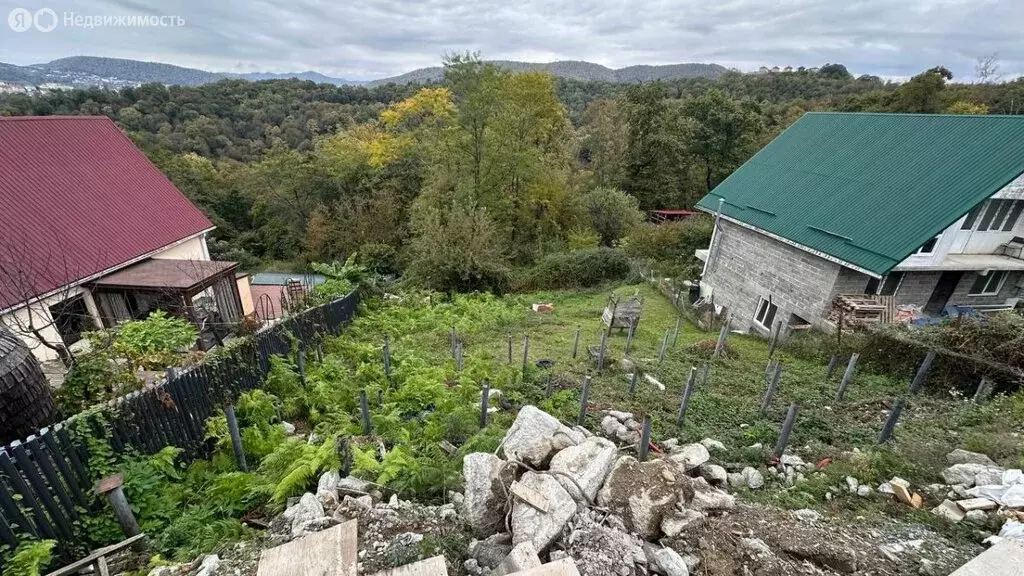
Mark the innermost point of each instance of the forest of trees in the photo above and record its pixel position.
(457, 182)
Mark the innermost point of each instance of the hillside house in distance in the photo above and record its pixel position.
(92, 234)
(925, 212)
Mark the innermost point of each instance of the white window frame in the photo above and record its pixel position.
(767, 305)
(1003, 275)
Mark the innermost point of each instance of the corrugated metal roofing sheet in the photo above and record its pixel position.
(870, 189)
(78, 198)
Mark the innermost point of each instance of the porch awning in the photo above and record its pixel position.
(166, 275)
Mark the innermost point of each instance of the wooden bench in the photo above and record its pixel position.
(98, 559)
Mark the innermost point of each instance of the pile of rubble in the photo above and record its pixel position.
(979, 489)
(558, 491)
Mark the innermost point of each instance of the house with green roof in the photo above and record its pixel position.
(928, 209)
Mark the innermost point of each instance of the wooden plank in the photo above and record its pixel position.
(530, 496)
(56, 454)
(28, 499)
(32, 474)
(55, 482)
(71, 451)
(331, 552)
(434, 566)
(92, 558)
(563, 567)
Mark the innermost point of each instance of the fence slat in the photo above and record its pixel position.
(55, 482)
(71, 450)
(56, 454)
(7, 505)
(34, 482)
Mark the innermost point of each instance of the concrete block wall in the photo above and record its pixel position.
(917, 288)
(748, 265)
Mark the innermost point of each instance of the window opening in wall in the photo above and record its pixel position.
(1011, 221)
(999, 215)
(873, 284)
(765, 313)
(929, 246)
(72, 318)
(988, 284)
(798, 323)
(891, 283)
(972, 217)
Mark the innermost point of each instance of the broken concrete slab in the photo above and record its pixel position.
(535, 436)
(1003, 559)
(678, 521)
(711, 501)
(487, 479)
(522, 557)
(541, 528)
(976, 504)
(585, 467)
(562, 567)
(949, 510)
(963, 474)
(434, 566)
(643, 493)
(331, 552)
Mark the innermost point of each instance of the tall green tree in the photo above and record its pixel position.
(922, 94)
(722, 135)
(657, 165)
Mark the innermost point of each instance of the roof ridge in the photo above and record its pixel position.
(1017, 117)
(55, 117)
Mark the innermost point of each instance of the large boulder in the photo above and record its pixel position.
(960, 456)
(966, 474)
(535, 436)
(584, 467)
(541, 528)
(487, 479)
(305, 513)
(643, 493)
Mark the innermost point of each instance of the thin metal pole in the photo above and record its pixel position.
(772, 386)
(485, 403)
(364, 408)
(769, 370)
(236, 437)
(387, 357)
(632, 381)
(775, 338)
(890, 422)
(684, 403)
(526, 352)
(847, 376)
(583, 401)
(720, 345)
(600, 351)
(675, 333)
(832, 363)
(664, 345)
(787, 429)
(302, 365)
(922, 372)
(550, 387)
(454, 336)
(705, 372)
(575, 343)
(630, 335)
(509, 348)
(645, 438)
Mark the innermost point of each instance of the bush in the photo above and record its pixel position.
(380, 259)
(156, 342)
(94, 378)
(613, 213)
(671, 245)
(578, 269)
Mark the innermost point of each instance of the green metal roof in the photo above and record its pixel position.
(870, 189)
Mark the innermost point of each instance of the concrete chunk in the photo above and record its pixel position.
(522, 557)
(949, 510)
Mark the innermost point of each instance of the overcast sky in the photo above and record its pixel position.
(362, 39)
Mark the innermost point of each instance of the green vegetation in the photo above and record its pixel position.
(30, 558)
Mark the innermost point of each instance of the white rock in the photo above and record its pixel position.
(671, 563)
(487, 479)
(806, 515)
(752, 478)
(209, 565)
(713, 445)
(620, 416)
(691, 455)
(959, 456)
(675, 522)
(949, 510)
(736, 480)
(588, 464)
(886, 488)
(976, 516)
(535, 436)
(354, 486)
(670, 443)
(989, 477)
(755, 548)
(328, 481)
(307, 511)
(977, 504)
(609, 425)
(712, 500)
(328, 498)
(852, 484)
(289, 428)
(713, 473)
(864, 491)
(962, 474)
(791, 460)
(539, 528)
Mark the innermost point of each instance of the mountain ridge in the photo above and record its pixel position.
(85, 71)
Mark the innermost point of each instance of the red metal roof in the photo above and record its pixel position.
(77, 198)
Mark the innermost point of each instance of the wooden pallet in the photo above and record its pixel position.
(863, 309)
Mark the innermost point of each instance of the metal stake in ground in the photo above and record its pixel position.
(769, 370)
(630, 335)
(550, 387)
(922, 372)
(575, 343)
(302, 365)
(684, 403)
(458, 355)
(526, 352)
(984, 387)
(645, 438)
(675, 333)
(454, 340)
(775, 338)
(847, 376)
(772, 386)
(509, 348)
(236, 437)
(364, 408)
(632, 381)
(787, 429)
(832, 363)
(387, 358)
(583, 401)
(485, 403)
(890, 421)
(705, 372)
(720, 345)
(664, 345)
(600, 351)
(111, 488)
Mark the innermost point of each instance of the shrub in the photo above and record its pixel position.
(671, 245)
(380, 259)
(581, 238)
(94, 378)
(156, 342)
(29, 558)
(578, 269)
(613, 213)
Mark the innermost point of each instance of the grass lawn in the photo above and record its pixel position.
(727, 407)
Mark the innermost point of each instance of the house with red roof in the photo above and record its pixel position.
(93, 234)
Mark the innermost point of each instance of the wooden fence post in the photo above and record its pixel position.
(847, 376)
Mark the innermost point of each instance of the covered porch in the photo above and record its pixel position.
(204, 292)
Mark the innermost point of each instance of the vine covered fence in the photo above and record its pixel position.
(45, 486)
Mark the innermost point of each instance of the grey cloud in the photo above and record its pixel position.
(371, 39)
